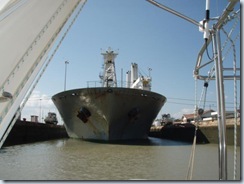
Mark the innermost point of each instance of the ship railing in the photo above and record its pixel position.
(92, 84)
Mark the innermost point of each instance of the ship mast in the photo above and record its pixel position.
(109, 73)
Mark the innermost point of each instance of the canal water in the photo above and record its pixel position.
(74, 159)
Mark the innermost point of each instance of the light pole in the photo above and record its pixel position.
(40, 110)
(65, 74)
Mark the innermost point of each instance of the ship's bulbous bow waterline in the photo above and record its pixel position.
(108, 113)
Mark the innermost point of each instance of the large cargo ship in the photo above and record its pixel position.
(110, 112)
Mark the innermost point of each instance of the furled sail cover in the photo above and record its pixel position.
(28, 28)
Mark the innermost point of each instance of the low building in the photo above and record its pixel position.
(188, 118)
(208, 115)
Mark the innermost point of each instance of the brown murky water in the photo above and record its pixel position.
(74, 159)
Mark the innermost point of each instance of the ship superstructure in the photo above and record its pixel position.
(109, 74)
(110, 112)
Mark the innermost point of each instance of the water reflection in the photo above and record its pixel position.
(151, 141)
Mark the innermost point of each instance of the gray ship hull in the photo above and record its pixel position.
(108, 113)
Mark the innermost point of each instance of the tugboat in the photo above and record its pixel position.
(110, 112)
(51, 118)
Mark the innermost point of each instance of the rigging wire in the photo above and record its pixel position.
(194, 100)
(204, 94)
(143, 73)
(235, 123)
(200, 111)
(197, 116)
(52, 55)
(192, 155)
(235, 103)
(235, 91)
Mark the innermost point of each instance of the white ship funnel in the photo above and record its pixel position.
(134, 72)
(128, 79)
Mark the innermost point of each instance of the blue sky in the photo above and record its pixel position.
(141, 33)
